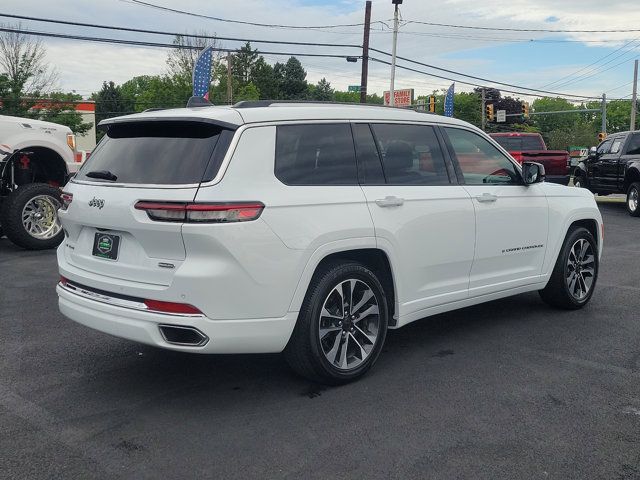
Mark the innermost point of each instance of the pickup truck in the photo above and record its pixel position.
(613, 167)
(531, 147)
(36, 159)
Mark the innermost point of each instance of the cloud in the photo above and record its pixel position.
(84, 66)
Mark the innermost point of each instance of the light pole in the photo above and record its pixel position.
(392, 99)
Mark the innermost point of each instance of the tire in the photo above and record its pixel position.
(633, 199)
(322, 356)
(579, 182)
(41, 228)
(565, 288)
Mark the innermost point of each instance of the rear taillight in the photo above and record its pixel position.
(66, 198)
(201, 212)
(172, 307)
(63, 281)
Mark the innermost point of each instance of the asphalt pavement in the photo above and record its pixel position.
(512, 389)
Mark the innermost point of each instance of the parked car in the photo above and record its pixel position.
(35, 159)
(309, 229)
(613, 167)
(531, 147)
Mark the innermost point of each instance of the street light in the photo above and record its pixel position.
(392, 97)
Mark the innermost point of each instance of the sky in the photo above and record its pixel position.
(569, 63)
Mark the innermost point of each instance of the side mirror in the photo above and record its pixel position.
(532, 172)
(593, 152)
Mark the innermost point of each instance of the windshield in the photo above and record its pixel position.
(155, 153)
(520, 144)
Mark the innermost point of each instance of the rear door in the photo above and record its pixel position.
(137, 162)
(511, 218)
(422, 218)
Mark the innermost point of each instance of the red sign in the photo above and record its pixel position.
(403, 98)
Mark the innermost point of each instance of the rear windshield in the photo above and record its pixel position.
(159, 153)
(519, 144)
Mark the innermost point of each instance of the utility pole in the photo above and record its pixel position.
(483, 113)
(229, 79)
(604, 113)
(365, 52)
(392, 96)
(634, 97)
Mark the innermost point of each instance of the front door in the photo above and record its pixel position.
(422, 218)
(594, 165)
(511, 218)
(607, 166)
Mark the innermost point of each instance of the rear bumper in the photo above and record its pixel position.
(263, 335)
(561, 179)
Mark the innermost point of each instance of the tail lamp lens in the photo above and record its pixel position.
(201, 212)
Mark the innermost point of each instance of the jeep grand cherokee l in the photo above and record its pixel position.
(309, 229)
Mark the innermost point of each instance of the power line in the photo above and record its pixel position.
(500, 29)
(157, 44)
(158, 32)
(226, 50)
(591, 64)
(588, 75)
(485, 79)
(242, 22)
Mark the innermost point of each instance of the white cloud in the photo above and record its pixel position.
(84, 66)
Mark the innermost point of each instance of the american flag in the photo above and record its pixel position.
(448, 102)
(202, 74)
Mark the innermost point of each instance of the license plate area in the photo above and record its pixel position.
(106, 246)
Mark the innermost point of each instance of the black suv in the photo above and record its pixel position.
(613, 167)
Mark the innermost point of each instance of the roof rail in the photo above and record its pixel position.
(267, 103)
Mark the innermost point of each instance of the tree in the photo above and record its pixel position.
(322, 91)
(27, 73)
(243, 64)
(293, 83)
(182, 60)
(111, 102)
(59, 107)
(264, 78)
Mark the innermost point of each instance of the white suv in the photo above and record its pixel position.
(309, 229)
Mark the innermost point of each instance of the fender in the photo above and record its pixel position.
(631, 173)
(554, 249)
(62, 150)
(320, 254)
(582, 168)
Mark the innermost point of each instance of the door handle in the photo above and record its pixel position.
(486, 197)
(390, 202)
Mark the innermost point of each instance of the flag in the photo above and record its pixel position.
(448, 102)
(202, 74)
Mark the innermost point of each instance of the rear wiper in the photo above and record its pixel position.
(103, 174)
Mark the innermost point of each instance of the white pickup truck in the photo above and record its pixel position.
(36, 158)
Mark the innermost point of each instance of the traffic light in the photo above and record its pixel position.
(490, 114)
(525, 109)
(432, 104)
(602, 136)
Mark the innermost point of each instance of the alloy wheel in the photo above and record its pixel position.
(349, 324)
(40, 217)
(632, 199)
(580, 272)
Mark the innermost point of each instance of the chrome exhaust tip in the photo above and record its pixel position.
(183, 336)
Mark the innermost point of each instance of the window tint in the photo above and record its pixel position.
(411, 155)
(634, 145)
(615, 146)
(481, 162)
(604, 147)
(315, 154)
(161, 153)
(369, 166)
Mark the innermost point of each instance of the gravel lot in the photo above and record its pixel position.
(511, 389)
